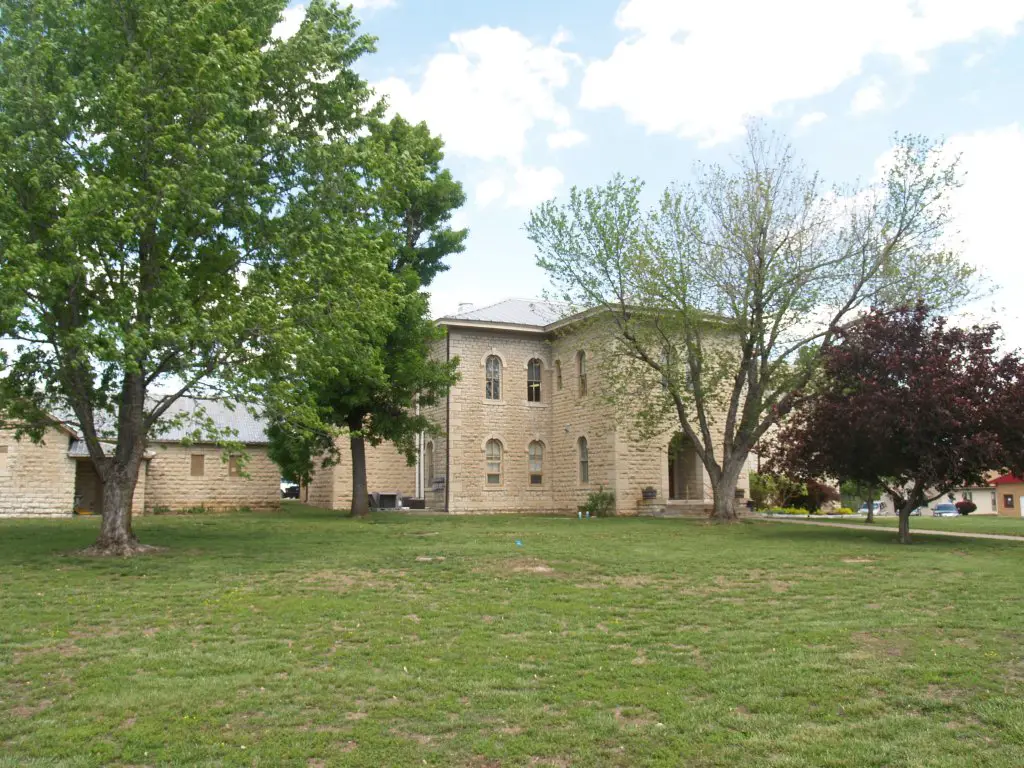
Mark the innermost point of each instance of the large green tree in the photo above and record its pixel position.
(163, 167)
(381, 395)
(719, 302)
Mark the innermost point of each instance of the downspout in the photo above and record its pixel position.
(419, 459)
(447, 422)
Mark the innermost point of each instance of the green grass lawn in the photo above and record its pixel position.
(1009, 526)
(305, 639)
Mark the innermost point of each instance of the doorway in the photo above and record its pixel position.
(685, 471)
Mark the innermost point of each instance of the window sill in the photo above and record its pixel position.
(486, 401)
(528, 404)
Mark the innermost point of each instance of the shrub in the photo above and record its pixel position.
(843, 511)
(599, 503)
(965, 507)
(160, 509)
(787, 511)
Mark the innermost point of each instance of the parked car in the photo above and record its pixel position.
(289, 491)
(877, 507)
(945, 509)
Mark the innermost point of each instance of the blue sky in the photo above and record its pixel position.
(535, 96)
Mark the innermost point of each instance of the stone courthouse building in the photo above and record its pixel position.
(525, 429)
(55, 478)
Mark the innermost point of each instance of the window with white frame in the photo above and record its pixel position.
(493, 373)
(533, 381)
(493, 452)
(536, 461)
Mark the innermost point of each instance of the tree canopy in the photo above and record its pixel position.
(321, 392)
(908, 403)
(719, 302)
(164, 168)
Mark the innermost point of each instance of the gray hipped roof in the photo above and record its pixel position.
(529, 312)
(250, 428)
(245, 427)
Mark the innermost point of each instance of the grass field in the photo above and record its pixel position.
(1008, 526)
(304, 639)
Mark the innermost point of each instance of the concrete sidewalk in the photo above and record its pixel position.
(894, 531)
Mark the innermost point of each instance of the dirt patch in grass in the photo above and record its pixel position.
(530, 565)
(858, 560)
(634, 717)
(25, 712)
(343, 581)
(945, 695)
(877, 645)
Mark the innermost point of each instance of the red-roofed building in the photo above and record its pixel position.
(1009, 496)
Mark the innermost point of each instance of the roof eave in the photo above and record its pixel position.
(490, 326)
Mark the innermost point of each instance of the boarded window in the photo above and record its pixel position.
(536, 452)
(581, 369)
(234, 466)
(493, 462)
(558, 375)
(428, 464)
(533, 381)
(584, 451)
(493, 372)
(198, 465)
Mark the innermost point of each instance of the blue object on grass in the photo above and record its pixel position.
(519, 543)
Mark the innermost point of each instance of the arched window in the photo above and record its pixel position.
(493, 462)
(493, 371)
(533, 381)
(581, 369)
(428, 464)
(558, 375)
(584, 461)
(536, 463)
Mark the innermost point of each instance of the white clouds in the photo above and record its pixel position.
(811, 118)
(489, 190)
(868, 98)
(987, 211)
(523, 187)
(291, 18)
(700, 69)
(566, 139)
(488, 93)
(533, 186)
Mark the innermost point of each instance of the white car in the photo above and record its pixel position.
(945, 509)
(876, 506)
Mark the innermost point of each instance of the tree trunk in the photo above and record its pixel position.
(360, 494)
(117, 539)
(724, 493)
(905, 511)
(871, 511)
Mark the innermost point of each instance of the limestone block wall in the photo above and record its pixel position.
(89, 488)
(512, 420)
(435, 479)
(36, 480)
(387, 470)
(171, 483)
(577, 415)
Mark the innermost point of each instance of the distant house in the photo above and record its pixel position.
(1009, 496)
(57, 477)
